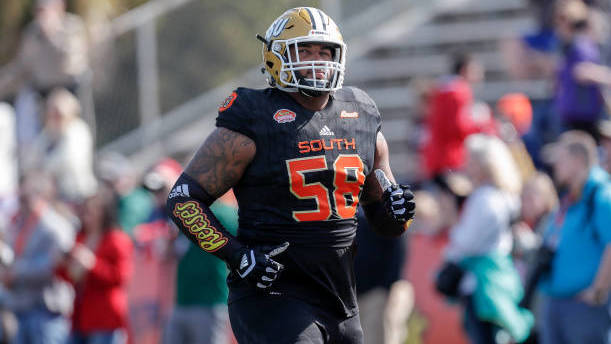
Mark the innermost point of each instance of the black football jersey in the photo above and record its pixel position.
(304, 184)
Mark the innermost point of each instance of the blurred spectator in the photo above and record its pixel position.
(589, 72)
(575, 309)
(99, 266)
(445, 195)
(382, 321)
(516, 108)
(421, 89)
(578, 100)
(52, 53)
(65, 148)
(514, 116)
(8, 321)
(451, 117)
(135, 202)
(544, 14)
(536, 127)
(600, 27)
(151, 296)
(539, 199)
(39, 237)
(532, 55)
(416, 135)
(159, 180)
(478, 260)
(200, 312)
(8, 161)
(604, 128)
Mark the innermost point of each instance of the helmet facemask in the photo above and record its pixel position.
(292, 68)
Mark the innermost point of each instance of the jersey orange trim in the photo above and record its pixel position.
(228, 102)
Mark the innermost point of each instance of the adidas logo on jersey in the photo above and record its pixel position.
(325, 131)
(180, 190)
(244, 262)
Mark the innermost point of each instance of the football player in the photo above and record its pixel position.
(300, 157)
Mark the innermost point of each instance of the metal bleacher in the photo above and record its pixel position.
(389, 45)
(475, 26)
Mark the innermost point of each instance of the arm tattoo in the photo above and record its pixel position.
(220, 162)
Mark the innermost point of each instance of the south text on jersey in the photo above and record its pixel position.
(326, 144)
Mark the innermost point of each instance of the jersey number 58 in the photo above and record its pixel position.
(348, 178)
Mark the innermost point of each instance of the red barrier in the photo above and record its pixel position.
(442, 320)
(151, 289)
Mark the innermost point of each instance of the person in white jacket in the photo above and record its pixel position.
(481, 241)
(65, 148)
(483, 226)
(8, 161)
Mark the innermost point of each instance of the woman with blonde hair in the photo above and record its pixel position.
(486, 281)
(484, 222)
(65, 147)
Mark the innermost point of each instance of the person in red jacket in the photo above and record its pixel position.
(99, 267)
(452, 117)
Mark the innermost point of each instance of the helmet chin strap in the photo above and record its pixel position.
(310, 93)
(301, 80)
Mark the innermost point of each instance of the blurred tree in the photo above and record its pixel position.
(13, 16)
(16, 14)
(200, 45)
(219, 47)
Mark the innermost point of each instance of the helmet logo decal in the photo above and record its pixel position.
(228, 102)
(314, 32)
(284, 116)
(276, 29)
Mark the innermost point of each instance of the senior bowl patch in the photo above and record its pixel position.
(346, 114)
(284, 116)
(228, 102)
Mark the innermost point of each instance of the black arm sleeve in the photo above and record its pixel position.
(188, 206)
(381, 222)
